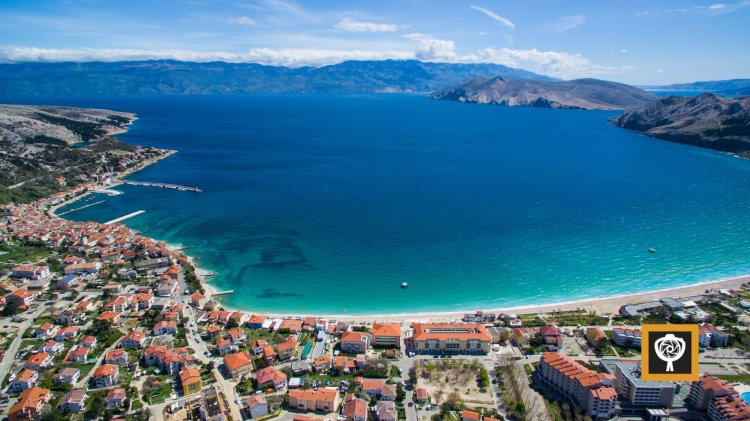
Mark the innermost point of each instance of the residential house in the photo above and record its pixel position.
(89, 342)
(269, 355)
(596, 337)
(50, 347)
(256, 406)
(355, 410)
(115, 398)
(712, 336)
(355, 342)
(30, 272)
(627, 337)
(73, 402)
(30, 404)
(82, 268)
(286, 348)
(324, 399)
(258, 346)
(134, 340)
(256, 321)
(165, 328)
(386, 411)
(106, 375)
(169, 361)
(236, 335)
(116, 356)
(238, 363)
(421, 395)
(225, 346)
(110, 316)
(292, 326)
(22, 296)
(322, 364)
(190, 379)
(270, 377)
(467, 415)
(69, 333)
(38, 361)
(44, 331)
(706, 389)
(378, 388)
(550, 337)
(198, 300)
(69, 375)
(25, 379)
(78, 354)
(67, 282)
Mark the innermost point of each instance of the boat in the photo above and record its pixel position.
(652, 250)
(404, 285)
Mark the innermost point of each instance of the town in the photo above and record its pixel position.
(101, 323)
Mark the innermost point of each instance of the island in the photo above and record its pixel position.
(589, 94)
(708, 120)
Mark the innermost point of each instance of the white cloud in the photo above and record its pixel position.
(351, 25)
(554, 63)
(624, 50)
(505, 21)
(564, 23)
(717, 6)
(242, 20)
(660, 71)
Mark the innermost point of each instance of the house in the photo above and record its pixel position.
(73, 402)
(378, 388)
(115, 398)
(322, 364)
(256, 406)
(551, 337)
(198, 300)
(134, 340)
(258, 346)
(291, 325)
(286, 349)
(30, 272)
(225, 346)
(89, 342)
(323, 399)
(38, 361)
(67, 282)
(69, 332)
(22, 296)
(165, 328)
(170, 361)
(712, 336)
(110, 316)
(167, 288)
(116, 356)
(470, 415)
(82, 268)
(119, 303)
(355, 342)
(270, 377)
(355, 410)
(50, 347)
(78, 354)
(256, 321)
(30, 404)
(386, 335)
(596, 337)
(236, 335)
(238, 363)
(269, 355)
(23, 380)
(67, 375)
(106, 375)
(421, 395)
(141, 301)
(44, 331)
(627, 337)
(386, 411)
(190, 379)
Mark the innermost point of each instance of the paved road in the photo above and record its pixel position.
(10, 353)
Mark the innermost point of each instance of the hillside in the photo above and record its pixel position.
(174, 77)
(589, 94)
(730, 85)
(38, 145)
(708, 120)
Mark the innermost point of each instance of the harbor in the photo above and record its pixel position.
(80, 208)
(164, 185)
(125, 217)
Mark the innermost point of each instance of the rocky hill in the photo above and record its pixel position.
(591, 94)
(708, 120)
(38, 144)
(176, 77)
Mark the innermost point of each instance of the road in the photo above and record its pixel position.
(10, 353)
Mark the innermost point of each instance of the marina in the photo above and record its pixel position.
(79, 208)
(125, 217)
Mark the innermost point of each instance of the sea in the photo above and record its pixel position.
(326, 204)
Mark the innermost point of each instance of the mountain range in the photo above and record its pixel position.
(731, 87)
(177, 77)
(592, 94)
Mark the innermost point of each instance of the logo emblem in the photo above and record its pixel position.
(669, 352)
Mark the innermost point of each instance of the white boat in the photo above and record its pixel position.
(404, 285)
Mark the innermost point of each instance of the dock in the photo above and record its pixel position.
(229, 291)
(124, 218)
(164, 185)
(82, 207)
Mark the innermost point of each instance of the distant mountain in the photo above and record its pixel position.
(711, 85)
(707, 120)
(175, 77)
(590, 94)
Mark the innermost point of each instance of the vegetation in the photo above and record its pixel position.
(512, 397)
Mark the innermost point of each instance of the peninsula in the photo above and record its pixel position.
(589, 94)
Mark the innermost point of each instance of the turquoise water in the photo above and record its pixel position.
(746, 396)
(325, 204)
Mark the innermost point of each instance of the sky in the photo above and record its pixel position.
(644, 42)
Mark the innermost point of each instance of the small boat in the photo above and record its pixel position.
(404, 285)
(652, 250)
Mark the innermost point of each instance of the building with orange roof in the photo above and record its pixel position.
(190, 379)
(116, 356)
(355, 410)
(165, 327)
(355, 342)
(269, 355)
(106, 375)
(197, 300)
(585, 389)
(110, 316)
(729, 408)
(236, 334)
(22, 296)
(257, 406)
(25, 379)
(270, 377)
(291, 325)
(706, 389)
(324, 399)
(225, 346)
(30, 404)
(470, 415)
(135, 340)
(303, 417)
(710, 335)
(378, 388)
(256, 321)
(386, 335)
(322, 364)
(456, 338)
(238, 363)
(286, 348)
(38, 361)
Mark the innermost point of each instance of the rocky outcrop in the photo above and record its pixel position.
(590, 94)
(708, 120)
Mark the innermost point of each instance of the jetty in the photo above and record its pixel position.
(164, 185)
(82, 207)
(229, 291)
(124, 218)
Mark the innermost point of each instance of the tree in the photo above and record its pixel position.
(97, 407)
(400, 393)
(232, 323)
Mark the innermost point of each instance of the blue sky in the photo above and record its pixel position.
(641, 42)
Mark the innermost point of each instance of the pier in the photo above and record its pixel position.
(164, 185)
(229, 291)
(82, 207)
(124, 218)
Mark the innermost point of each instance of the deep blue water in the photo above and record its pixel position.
(327, 203)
